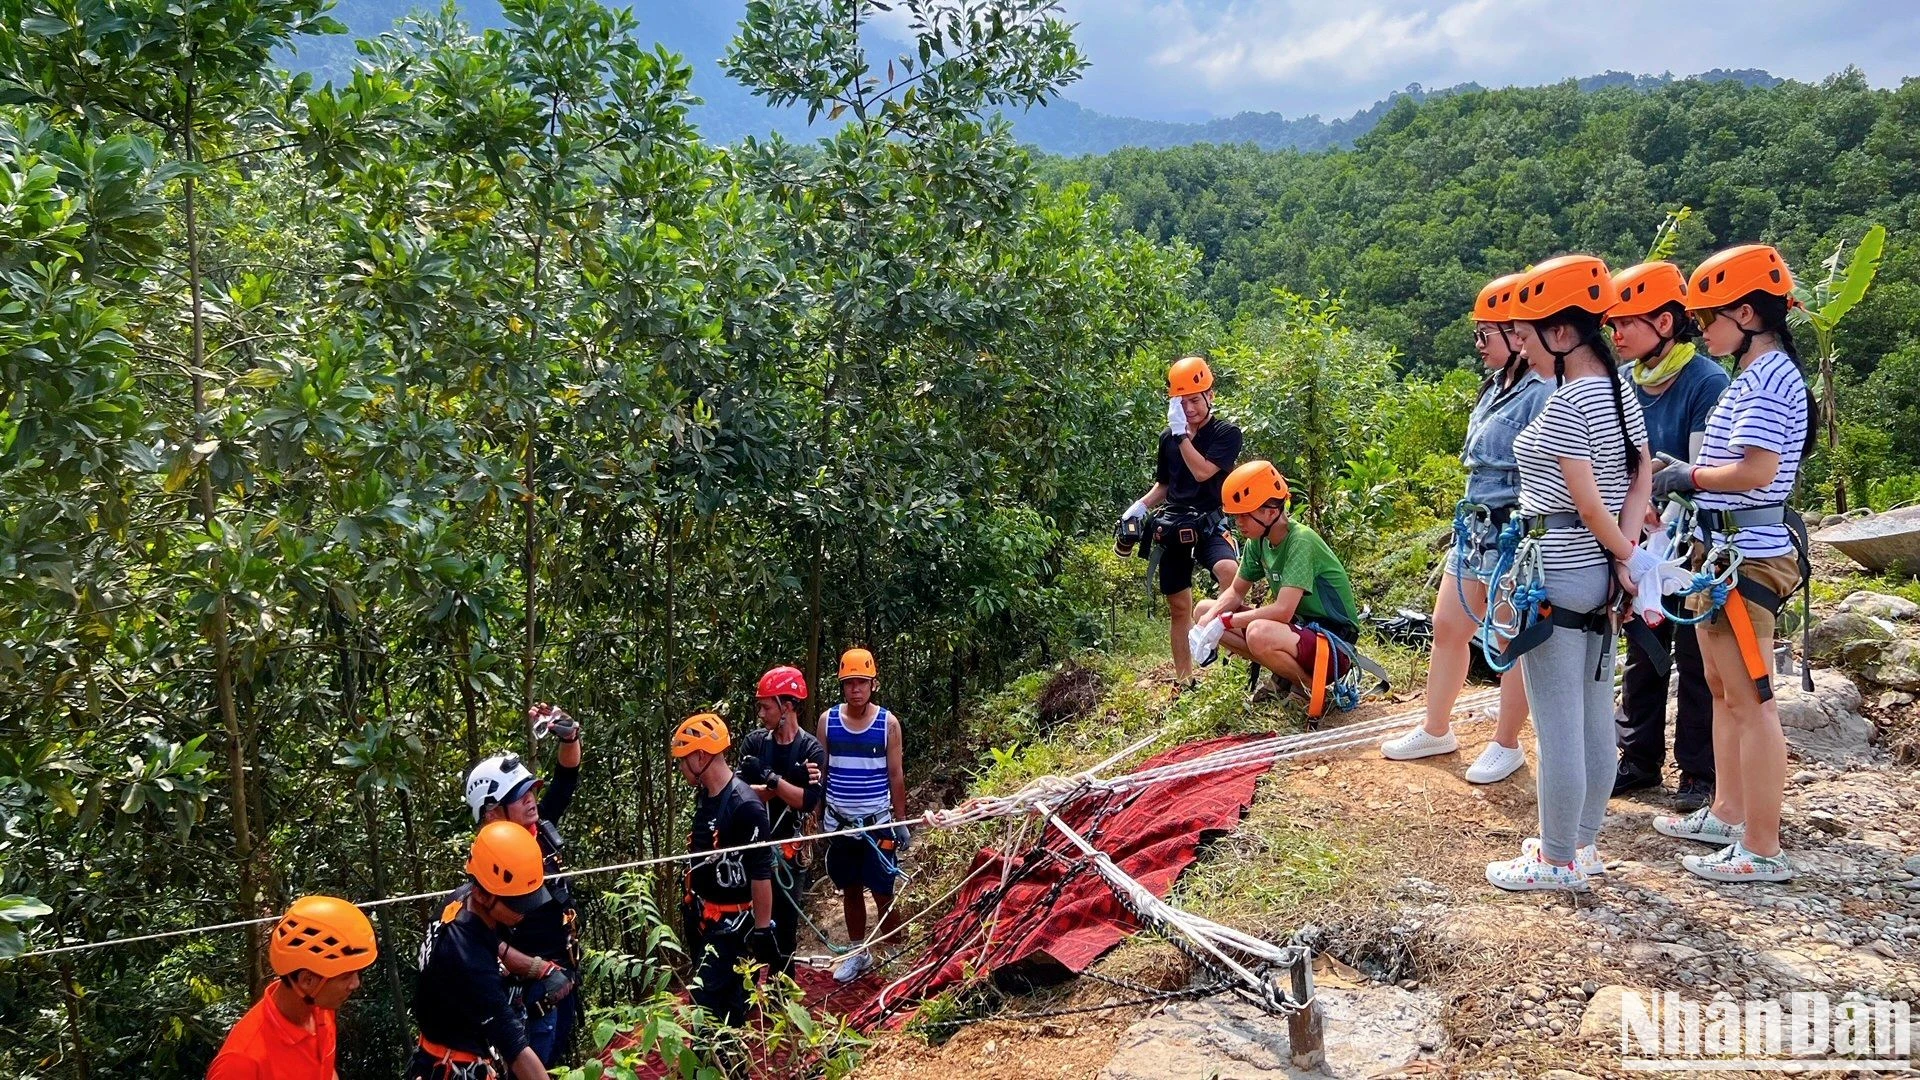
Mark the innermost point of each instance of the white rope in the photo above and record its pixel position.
(1047, 792)
(637, 864)
(1042, 795)
(1210, 936)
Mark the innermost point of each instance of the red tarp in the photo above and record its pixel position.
(1055, 919)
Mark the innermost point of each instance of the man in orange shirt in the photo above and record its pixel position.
(318, 951)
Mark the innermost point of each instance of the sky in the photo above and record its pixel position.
(1191, 59)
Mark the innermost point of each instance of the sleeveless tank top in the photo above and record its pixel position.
(857, 784)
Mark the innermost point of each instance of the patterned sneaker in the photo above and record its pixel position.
(1735, 863)
(1700, 825)
(1587, 858)
(1529, 872)
(1417, 744)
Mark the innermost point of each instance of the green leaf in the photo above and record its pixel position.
(15, 908)
(1860, 274)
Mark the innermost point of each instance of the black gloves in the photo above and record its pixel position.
(763, 946)
(753, 771)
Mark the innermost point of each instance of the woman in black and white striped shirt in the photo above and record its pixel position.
(1583, 473)
(1759, 432)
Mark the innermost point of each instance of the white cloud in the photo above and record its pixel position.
(1178, 57)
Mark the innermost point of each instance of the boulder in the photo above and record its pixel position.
(1898, 666)
(1826, 724)
(1368, 1031)
(1851, 638)
(1880, 606)
(1602, 1018)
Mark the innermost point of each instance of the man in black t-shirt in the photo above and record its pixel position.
(1196, 452)
(787, 768)
(460, 1002)
(729, 901)
(543, 949)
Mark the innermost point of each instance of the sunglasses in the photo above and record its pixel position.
(1483, 333)
(1705, 317)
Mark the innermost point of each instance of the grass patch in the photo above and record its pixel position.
(1274, 870)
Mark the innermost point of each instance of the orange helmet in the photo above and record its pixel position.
(324, 935)
(1646, 288)
(1495, 302)
(858, 664)
(1570, 281)
(1252, 486)
(702, 732)
(1189, 375)
(1731, 274)
(506, 862)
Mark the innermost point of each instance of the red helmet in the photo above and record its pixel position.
(782, 682)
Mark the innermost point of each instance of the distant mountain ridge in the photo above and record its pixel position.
(701, 32)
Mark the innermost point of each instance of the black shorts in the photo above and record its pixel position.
(856, 862)
(1177, 559)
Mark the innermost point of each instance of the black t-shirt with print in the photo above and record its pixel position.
(733, 817)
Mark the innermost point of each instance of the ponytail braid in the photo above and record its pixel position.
(1772, 311)
(1587, 325)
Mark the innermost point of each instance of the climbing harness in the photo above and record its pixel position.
(1518, 609)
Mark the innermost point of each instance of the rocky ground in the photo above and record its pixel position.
(1432, 971)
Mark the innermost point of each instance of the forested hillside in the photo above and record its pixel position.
(1444, 194)
(339, 423)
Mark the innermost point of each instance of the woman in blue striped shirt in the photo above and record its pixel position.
(1756, 438)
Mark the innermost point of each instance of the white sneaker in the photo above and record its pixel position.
(1529, 872)
(1417, 744)
(1587, 858)
(1495, 764)
(853, 967)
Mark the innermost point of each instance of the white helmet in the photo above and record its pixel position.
(501, 778)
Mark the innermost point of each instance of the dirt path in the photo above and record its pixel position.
(1409, 905)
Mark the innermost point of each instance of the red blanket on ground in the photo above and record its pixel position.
(1058, 915)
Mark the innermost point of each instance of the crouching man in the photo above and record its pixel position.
(1305, 631)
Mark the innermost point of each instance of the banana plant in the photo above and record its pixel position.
(1822, 304)
(1666, 239)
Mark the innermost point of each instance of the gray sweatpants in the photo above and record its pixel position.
(1572, 718)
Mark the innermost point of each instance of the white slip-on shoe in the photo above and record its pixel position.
(1530, 872)
(1417, 744)
(1495, 764)
(1587, 858)
(1700, 825)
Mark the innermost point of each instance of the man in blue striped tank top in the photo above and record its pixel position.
(866, 785)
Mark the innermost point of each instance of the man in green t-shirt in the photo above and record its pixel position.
(1309, 596)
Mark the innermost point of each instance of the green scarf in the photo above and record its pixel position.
(1676, 359)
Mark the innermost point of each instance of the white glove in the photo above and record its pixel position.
(1203, 641)
(1655, 574)
(1176, 417)
(1137, 510)
(1642, 562)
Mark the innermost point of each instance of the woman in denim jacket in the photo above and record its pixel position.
(1510, 398)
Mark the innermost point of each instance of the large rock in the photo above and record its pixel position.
(1369, 1031)
(1825, 725)
(1898, 667)
(1880, 606)
(1602, 1018)
(1851, 638)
